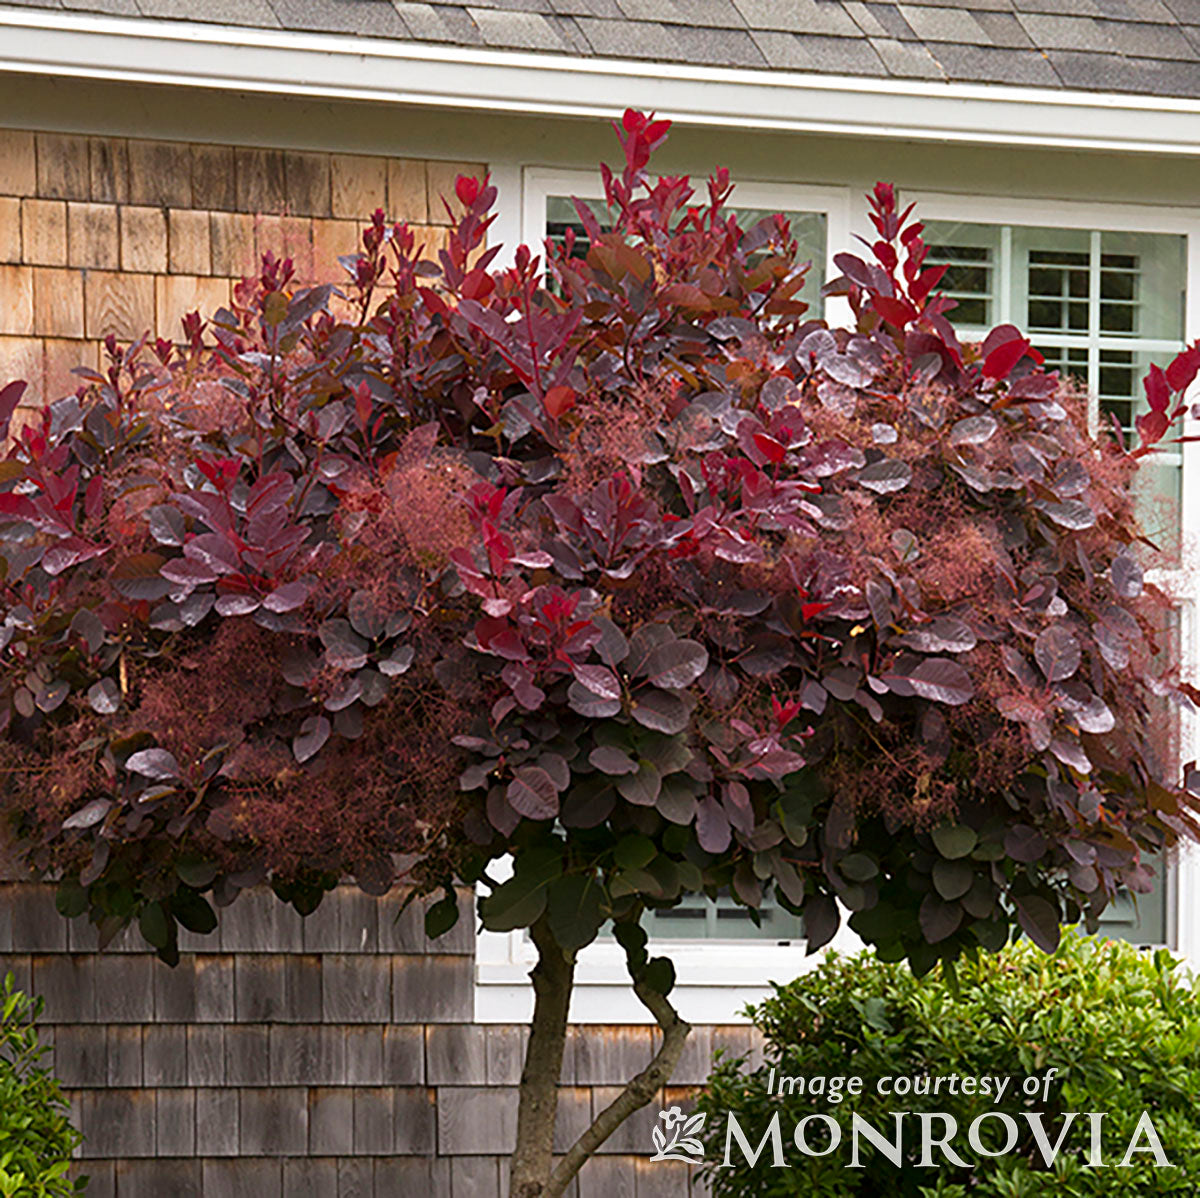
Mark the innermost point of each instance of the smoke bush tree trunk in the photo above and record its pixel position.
(534, 1173)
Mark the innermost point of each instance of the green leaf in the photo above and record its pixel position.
(155, 925)
(858, 867)
(275, 308)
(954, 840)
(193, 911)
(441, 916)
(196, 871)
(634, 851)
(796, 804)
(520, 901)
(574, 910)
(71, 900)
(952, 879)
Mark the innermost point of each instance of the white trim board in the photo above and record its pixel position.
(288, 63)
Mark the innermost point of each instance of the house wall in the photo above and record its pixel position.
(332, 1056)
(327, 1057)
(105, 235)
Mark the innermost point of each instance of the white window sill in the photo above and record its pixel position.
(715, 979)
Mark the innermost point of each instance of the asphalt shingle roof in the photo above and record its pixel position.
(1138, 46)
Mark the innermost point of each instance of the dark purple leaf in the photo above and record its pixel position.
(500, 812)
(154, 763)
(344, 648)
(287, 597)
(314, 732)
(608, 759)
(712, 827)
(941, 680)
(1126, 576)
(1040, 922)
(398, 661)
(885, 476)
(821, 920)
(661, 711)
(641, 789)
(738, 808)
(1073, 513)
(1025, 844)
(88, 815)
(533, 794)
(675, 664)
(585, 703)
(236, 605)
(104, 697)
(600, 680)
(1057, 653)
(939, 919)
(974, 430)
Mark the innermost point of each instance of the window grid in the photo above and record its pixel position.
(1082, 341)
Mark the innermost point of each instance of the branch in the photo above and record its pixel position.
(637, 1093)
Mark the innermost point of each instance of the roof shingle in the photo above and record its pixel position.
(1140, 46)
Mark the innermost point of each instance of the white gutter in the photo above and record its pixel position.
(40, 42)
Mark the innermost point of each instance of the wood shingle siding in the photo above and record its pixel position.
(327, 1056)
(121, 236)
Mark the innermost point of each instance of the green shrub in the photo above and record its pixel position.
(36, 1137)
(1121, 1027)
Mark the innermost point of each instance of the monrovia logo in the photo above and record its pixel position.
(819, 1135)
(682, 1146)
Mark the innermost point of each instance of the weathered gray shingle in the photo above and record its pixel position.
(985, 64)
(1144, 46)
(822, 55)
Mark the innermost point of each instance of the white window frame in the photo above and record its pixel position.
(716, 979)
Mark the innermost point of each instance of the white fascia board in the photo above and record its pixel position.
(286, 63)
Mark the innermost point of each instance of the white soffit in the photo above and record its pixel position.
(38, 41)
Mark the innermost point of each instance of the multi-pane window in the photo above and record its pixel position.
(808, 228)
(1101, 306)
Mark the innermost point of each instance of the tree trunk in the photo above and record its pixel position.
(553, 978)
(533, 1173)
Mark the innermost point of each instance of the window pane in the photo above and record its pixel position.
(698, 917)
(972, 253)
(1142, 283)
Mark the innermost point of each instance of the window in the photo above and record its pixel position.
(1101, 306)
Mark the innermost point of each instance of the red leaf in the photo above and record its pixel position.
(477, 285)
(808, 610)
(770, 448)
(467, 189)
(10, 396)
(633, 121)
(1183, 370)
(898, 312)
(558, 400)
(926, 281)
(1158, 390)
(1152, 426)
(1000, 362)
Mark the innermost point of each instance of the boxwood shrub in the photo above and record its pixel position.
(1121, 1026)
(36, 1135)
